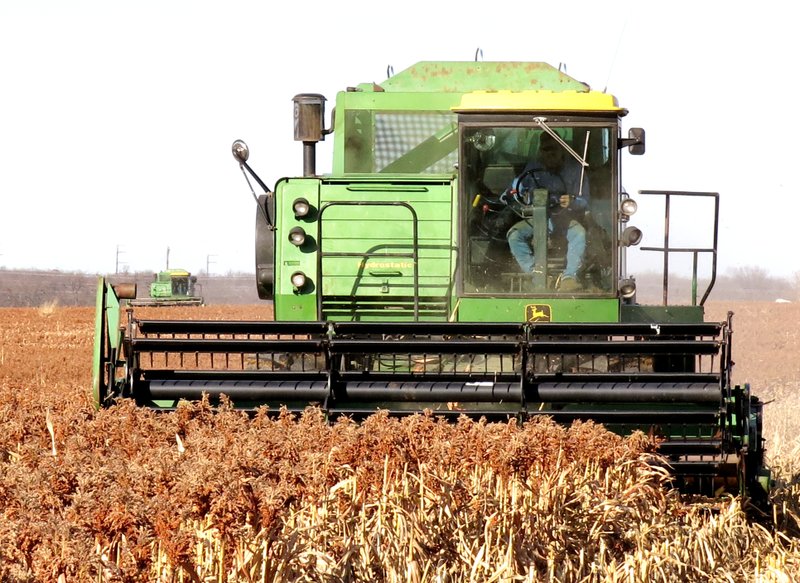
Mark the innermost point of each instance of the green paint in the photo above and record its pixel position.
(517, 310)
(107, 338)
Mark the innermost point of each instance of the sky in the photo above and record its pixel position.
(116, 119)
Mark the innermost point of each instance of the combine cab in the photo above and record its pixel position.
(395, 286)
(173, 287)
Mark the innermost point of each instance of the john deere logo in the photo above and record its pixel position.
(537, 313)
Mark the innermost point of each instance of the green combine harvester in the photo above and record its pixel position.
(395, 286)
(172, 287)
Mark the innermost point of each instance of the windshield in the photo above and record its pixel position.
(539, 208)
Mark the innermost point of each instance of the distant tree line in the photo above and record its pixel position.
(749, 283)
(35, 288)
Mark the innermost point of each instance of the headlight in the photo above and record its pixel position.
(301, 208)
(297, 236)
(298, 280)
(628, 207)
(630, 236)
(627, 288)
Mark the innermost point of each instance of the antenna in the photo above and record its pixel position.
(616, 51)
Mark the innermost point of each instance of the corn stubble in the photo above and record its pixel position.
(125, 494)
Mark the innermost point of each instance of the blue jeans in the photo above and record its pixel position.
(520, 238)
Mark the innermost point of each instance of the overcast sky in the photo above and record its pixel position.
(116, 119)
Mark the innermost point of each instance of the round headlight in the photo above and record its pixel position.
(298, 279)
(297, 236)
(628, 207)
(631, 236)
(300, 208)
(627, 288)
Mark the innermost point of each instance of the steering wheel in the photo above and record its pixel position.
(517, 185)
(552, 199)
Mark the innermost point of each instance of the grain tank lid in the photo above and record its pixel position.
(543, 100)
(468, 76)
(177, 272)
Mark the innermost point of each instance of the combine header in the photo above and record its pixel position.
(466, 255)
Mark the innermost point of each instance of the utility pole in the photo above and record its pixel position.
(167, 258)
(116, 261)
(209, 262)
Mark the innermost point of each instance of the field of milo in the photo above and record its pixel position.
(124, 494)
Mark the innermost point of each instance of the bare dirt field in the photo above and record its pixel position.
(125, 494)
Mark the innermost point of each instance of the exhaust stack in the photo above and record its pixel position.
(309, 116)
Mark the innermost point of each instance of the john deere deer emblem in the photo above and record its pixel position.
(537, 313)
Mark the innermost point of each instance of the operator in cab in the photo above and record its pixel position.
(567, 187)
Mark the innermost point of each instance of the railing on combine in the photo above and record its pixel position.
(351, 303)
(695, 251)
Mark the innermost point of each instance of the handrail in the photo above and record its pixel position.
(414, 255)
(666, 249)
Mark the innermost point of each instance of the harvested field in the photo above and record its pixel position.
(129, 495)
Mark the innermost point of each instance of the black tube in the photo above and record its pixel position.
(308, 391)
(630, 392)
(230, 327)
(470, 392)
(225, 345)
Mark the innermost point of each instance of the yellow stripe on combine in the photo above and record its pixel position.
(538, 101)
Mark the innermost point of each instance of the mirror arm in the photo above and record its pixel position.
(246, 166)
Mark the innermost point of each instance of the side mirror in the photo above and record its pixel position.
(240, 151)
(634, 142)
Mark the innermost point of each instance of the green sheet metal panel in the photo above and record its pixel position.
(367, 242)
(296, 307)
(463, 76)
(288, 303)
(376, 241)
(537, 309)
